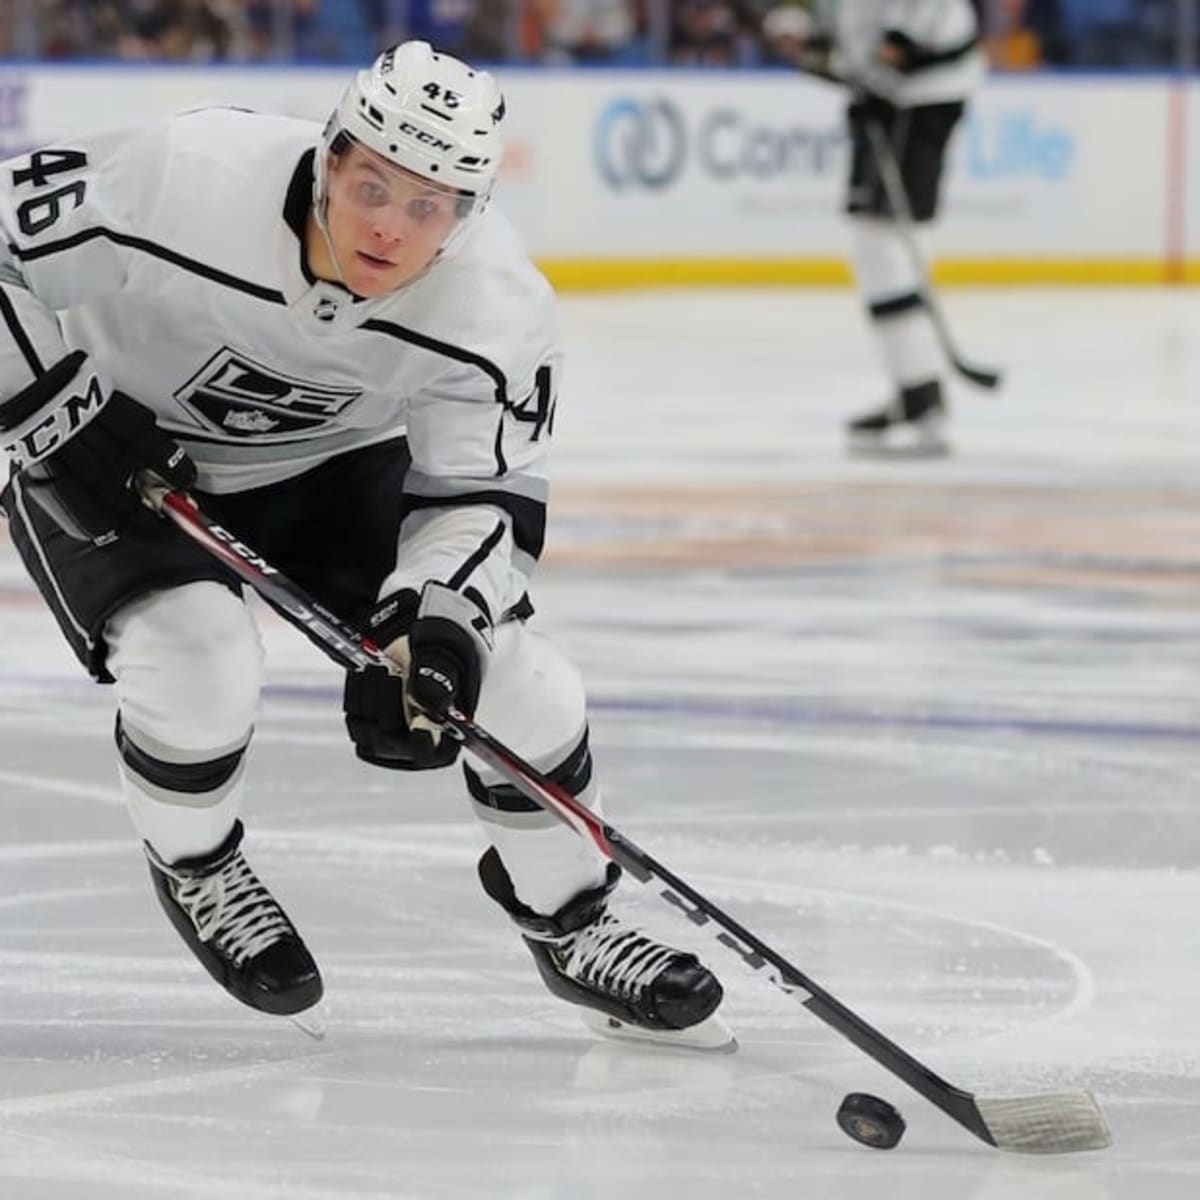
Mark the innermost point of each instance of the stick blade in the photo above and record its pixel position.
(980, 376)
(1054, 1123)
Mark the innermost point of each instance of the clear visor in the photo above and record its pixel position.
(381, 190)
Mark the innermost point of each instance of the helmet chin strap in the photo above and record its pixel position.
(320, 207)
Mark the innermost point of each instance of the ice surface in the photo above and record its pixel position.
(930, 730)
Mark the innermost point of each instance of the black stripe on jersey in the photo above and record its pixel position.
(528, 516)
(488, 367)
(9, 311)
(498, 448)
(154, 250)
(488, 544)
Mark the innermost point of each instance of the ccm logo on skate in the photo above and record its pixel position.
(241, 550)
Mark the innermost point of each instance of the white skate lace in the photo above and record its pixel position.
(233, 910)
(618, 958)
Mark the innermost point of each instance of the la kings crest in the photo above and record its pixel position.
(235, 397)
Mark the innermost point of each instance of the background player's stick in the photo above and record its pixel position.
(894, 188)
(897, 195)
(1051, 1123)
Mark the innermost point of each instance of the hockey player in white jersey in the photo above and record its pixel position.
(911, 65)
(333, 340)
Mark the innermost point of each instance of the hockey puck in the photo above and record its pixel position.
(871, 1121)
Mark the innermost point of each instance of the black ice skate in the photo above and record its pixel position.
(627, 984)
(236, 928)
(910, 427)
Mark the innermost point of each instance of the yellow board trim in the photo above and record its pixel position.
(603, 273)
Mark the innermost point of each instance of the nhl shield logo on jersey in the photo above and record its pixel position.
(237, 397)
(326, 309)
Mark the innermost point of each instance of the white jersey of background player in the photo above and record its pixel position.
(332, 338)
(912, 64)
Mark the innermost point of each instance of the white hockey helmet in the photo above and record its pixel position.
(788, 21)
(426, 112)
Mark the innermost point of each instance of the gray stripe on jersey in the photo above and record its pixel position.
(240, 454)
(235, 468)
(532, 487)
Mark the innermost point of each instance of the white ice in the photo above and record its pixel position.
(929, 730)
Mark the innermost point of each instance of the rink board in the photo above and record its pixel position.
(641, 177)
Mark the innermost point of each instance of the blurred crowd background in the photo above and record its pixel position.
(1021, 34)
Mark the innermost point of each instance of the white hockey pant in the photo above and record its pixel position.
(188, 664)
(533, 701)
(893, 291)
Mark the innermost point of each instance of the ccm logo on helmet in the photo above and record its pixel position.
(424, 137)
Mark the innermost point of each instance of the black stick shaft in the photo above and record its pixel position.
(348, 648)
(897, 195)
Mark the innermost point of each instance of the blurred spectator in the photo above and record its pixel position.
(709, 33)
(1025, 34)
(134, 29)
(276, 33)
(8, 28)
(1119, 33)
(175, 29)
(484, 31)
(591, 31)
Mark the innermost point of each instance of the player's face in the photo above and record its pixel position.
(385, 223)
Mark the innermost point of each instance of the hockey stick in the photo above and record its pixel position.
(897, 195)
(1051, 1123)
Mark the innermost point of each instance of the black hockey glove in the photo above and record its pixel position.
(440, 639)
(902, 53)
(77, 451)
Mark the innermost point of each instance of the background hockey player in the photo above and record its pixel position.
(332, 338)
(911, 65)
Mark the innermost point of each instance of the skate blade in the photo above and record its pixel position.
(878, 448)
(711, 1036)
(311, 1022)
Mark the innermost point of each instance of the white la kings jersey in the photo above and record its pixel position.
(947, 62)
(164, 253)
